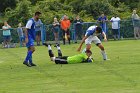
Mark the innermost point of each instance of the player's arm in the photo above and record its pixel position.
(83, 40)
(104, 35)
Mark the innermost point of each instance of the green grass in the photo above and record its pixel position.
(119, 75)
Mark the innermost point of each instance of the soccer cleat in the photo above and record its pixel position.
(106, 59)
(46, 44)
(32, 64)
(56, 45)
(26, 63)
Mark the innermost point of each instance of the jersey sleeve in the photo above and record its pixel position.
(29, 24)
(88, 33)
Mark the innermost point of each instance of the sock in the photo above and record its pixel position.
(59, 53)
(49, 47)
(53, 58)
(29, 54)
(51, 53)
(104, 54)
(30, 59)
(58, 47)
(84, 50)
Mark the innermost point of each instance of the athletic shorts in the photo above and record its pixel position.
(38, 33)
(6, 38)
(91, 39)
(115, 31)
(30, 42)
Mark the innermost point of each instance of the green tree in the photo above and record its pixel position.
(20, 14)
(7, 3)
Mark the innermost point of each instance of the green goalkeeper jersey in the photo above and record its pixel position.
(77, 58)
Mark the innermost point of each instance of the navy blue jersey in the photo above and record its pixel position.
(91, 31)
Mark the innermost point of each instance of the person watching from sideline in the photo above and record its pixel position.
(65, 26)
(6, 35)
(55, 29)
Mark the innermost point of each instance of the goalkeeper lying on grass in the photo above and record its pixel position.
(79, 58)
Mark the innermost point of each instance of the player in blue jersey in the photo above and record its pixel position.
(91, 36)
(29, 39)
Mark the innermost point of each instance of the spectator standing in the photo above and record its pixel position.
(6, 35)
(55, 29)
(102, 20)
(38, 24)
(115, 27)
(136, 19)
(21, 35)
(65, 26)
(78, 28)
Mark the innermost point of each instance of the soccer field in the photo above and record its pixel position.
(119, 75)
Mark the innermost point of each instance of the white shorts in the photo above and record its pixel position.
(91, 39)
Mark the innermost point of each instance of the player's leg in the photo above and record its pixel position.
(51, 54)
(59, 50)
(88, 44)
(102, 51)
(60, 61)
(31, 49)
(97, 41)
(28, 56)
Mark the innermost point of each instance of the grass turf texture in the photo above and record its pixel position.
(119, 75)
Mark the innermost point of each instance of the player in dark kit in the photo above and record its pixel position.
(79, 58)
(29, 39)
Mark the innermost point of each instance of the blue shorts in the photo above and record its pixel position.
(30, 42)
(6, 38)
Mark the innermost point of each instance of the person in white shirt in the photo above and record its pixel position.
(135, 20)
(115, 27)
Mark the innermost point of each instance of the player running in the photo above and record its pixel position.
(80, 58)
(91, 36)
(29, 39)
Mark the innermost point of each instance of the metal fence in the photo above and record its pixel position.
(126, 31)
